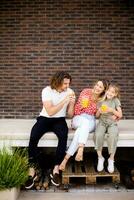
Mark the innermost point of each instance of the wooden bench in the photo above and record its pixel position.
(16, 133)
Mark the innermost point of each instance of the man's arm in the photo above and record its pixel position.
(70, 109)
(53, 109)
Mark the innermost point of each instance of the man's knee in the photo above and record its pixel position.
(62, 132)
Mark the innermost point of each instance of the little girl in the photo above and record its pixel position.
(108, 113)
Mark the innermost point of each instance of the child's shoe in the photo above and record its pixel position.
(110, 167)
(100, 165)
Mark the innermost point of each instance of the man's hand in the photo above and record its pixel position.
(71, 104)
(70, 98)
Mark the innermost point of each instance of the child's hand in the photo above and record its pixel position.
(103, 108)
(100, 111)
(109, 110)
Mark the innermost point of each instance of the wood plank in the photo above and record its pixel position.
(68, 169)
(86, 169)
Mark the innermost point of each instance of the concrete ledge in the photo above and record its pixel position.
(16, 132)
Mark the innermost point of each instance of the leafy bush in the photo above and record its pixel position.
(13, 169)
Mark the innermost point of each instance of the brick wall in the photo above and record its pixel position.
(88, 38)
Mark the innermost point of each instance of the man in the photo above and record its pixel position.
(58, 100)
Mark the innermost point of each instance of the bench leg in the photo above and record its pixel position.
(65, 180)
(116, 179)
(90, 180)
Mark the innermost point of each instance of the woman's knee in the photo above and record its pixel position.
(84, 123)
(76, 121)
(91, 125)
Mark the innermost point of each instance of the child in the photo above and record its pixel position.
(108, 113)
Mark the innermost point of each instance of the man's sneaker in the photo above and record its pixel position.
(110, 167)
(100, 165)
(55, 179)
(30, 182)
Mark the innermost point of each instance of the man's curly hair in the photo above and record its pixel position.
(57, 79)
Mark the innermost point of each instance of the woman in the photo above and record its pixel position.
(84, 120)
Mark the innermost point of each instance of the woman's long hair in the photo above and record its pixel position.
(106, 84)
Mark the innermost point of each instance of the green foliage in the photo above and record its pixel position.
(13, 169)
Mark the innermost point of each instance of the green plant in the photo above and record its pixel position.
(13, 169)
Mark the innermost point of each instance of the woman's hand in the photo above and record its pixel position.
(114, 118)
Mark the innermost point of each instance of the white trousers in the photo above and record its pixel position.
(84, 124)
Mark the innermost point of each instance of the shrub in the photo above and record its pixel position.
(13, 169)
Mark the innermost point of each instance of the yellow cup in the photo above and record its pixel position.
(85, 102)
(104, 108)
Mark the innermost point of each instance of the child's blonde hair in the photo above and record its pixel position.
(116, 88)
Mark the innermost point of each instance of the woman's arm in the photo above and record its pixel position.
(117, 112)
(78, 105)
(98, 113)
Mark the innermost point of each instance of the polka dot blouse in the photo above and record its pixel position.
(85, 103)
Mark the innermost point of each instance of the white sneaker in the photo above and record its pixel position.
(110, 167)
(100, 165)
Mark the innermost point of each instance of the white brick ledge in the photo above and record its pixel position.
(16, 132)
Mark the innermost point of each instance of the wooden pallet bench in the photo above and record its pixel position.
(132, 174)
(86, 169)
